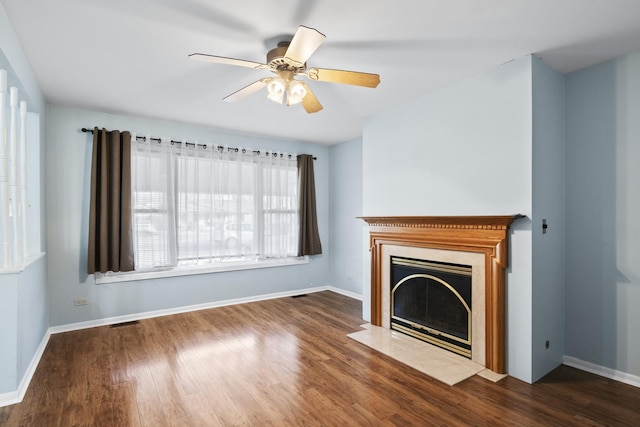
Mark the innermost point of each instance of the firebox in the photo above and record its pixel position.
(431, 301)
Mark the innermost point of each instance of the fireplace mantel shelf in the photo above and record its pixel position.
(490, 222)
(480, 234)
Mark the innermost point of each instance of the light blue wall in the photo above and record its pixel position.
(463, 150)
(548, 203)
(23, 322)
(33, 316)
(8, 332)
(345, 205)
(68, 180)
(23, 295)
(15, 56)
(603, 201)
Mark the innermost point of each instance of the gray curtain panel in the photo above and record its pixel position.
(110, 232)
(309, 239)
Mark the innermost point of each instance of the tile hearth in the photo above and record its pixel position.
(440, 364)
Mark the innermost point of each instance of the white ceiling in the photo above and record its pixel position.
(130, 56)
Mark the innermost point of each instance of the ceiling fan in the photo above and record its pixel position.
(287, 61)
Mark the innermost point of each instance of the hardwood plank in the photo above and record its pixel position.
(124, 408)
(284, 362)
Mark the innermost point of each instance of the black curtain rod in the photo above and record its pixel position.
(219, 147)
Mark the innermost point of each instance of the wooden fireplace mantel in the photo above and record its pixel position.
(480, 234)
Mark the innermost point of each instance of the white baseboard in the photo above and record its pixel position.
(14, 397)
(603, 371)
(10, 398)
(185, 309)
(177, 310)
(345, 293)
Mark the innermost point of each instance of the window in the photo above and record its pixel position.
(196, 206)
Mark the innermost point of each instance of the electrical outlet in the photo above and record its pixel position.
(80, 301)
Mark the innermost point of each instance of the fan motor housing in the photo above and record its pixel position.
(277, 62)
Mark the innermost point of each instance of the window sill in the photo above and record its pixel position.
(110, 277)
(25, 264)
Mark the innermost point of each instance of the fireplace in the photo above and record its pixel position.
(432, 301)
(476, 244)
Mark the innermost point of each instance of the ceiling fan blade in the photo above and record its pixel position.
(304, 43)
(310, 102)
(247, 90)
(342, 76)
(228, 61)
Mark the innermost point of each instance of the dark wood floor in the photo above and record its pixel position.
(284, 362)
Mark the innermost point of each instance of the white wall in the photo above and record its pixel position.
(345, 205)
(603, 201)
(68, 182)
(463, 150)
(548, 203)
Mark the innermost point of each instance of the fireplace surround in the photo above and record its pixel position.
(480, 241)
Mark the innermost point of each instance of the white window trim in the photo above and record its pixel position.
(111, 277)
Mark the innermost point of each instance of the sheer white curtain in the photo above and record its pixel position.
(280, 205)
(153, 200)
(216, 204)
(197, 204)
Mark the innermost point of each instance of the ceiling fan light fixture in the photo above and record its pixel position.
(296, 92)
(287, 61)
(276, 89)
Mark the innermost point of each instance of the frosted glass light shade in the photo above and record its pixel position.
(296, 93)
(276, 90)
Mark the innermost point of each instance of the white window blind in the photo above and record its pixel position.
(197, 206)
